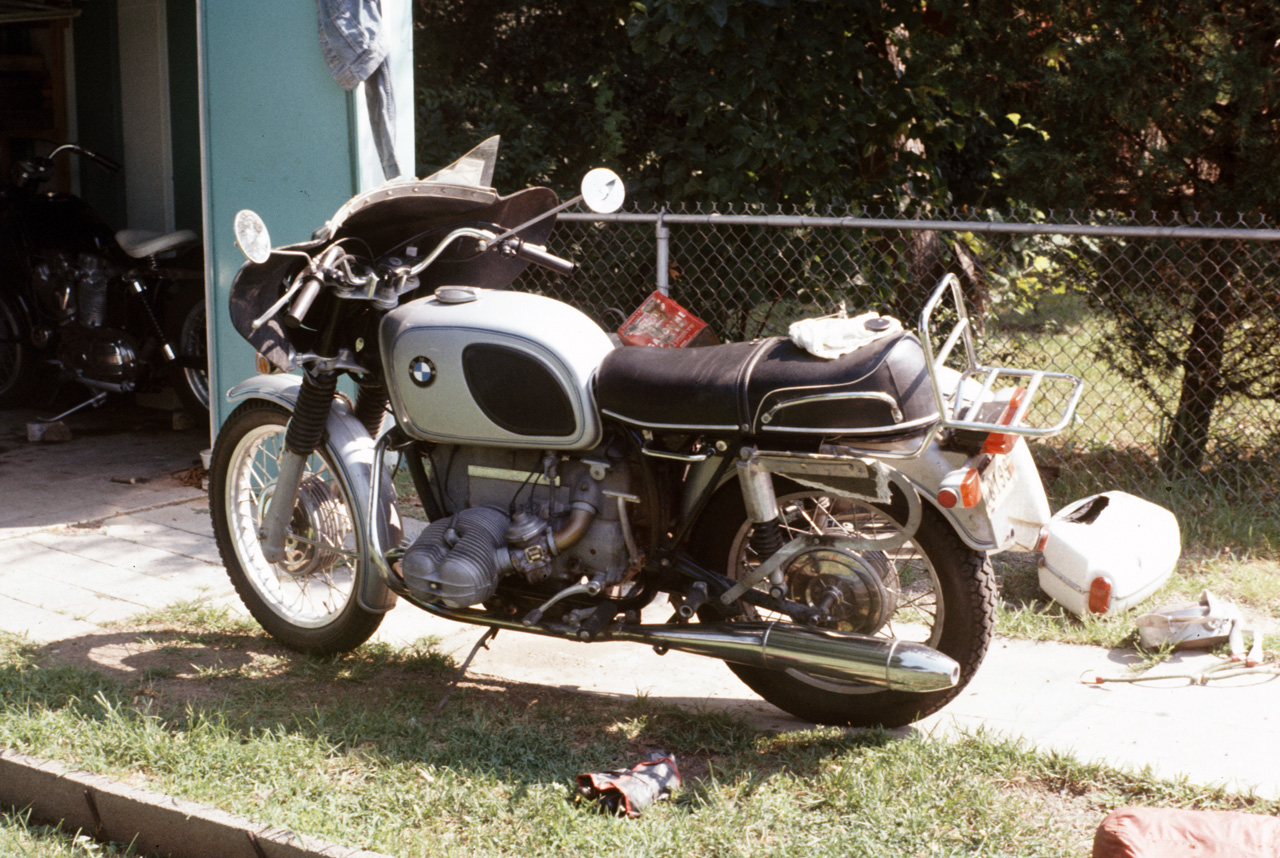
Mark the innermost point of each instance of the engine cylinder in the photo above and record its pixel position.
(454, 561)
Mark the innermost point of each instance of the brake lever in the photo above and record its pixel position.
(275, 308)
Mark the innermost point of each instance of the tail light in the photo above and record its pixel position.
(1099, 595)
(1002, 442)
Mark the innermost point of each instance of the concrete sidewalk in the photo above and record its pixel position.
(98, 529)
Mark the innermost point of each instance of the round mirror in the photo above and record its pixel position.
(252, 237)
(603, 191)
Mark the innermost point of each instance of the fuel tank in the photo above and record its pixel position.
(491, 367)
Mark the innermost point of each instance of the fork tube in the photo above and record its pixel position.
(302, 437)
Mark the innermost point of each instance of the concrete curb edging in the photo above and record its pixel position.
(155, 823)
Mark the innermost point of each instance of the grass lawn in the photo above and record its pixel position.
(201, 705)
(19, 836)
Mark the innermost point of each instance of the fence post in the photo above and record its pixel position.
(663, 233)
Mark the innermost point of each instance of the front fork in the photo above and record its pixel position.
(302, 437)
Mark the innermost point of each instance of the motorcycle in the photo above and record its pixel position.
(821, 525)
(116, 312)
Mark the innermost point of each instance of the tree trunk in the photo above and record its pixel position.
(1184, 446)
(927, 265)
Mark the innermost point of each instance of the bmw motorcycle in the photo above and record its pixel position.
(116, 312)
(821, 525)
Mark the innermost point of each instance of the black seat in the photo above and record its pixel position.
(770, 385)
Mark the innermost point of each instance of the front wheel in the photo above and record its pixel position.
(309, 600)
(930, 589)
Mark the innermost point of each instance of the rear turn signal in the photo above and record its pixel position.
(1002, 442)
(963, 488)
(1099, 595)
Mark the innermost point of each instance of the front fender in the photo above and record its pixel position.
(352, 451)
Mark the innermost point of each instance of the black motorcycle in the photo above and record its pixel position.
(118, 312)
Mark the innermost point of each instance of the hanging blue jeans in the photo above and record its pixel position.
(353, 46)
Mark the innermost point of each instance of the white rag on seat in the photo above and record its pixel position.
(830, 338)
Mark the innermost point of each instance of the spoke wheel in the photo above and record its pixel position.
(929, 588)
(309, 600)
(190, 372)
(18, 373)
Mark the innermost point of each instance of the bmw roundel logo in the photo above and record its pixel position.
(422, 371)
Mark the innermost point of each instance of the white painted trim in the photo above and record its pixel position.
(144, 107)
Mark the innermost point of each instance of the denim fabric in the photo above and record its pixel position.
(351, 40)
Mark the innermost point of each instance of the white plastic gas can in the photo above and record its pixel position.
(1106, 553)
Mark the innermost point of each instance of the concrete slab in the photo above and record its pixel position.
(77, 550)
(87, 478)
(38, 623)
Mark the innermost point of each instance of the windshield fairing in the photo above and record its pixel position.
(406, 220)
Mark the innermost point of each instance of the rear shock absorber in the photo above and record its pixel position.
(762, 508)
(766, 538)
(767, 535)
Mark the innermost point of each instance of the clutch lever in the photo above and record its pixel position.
(298, 283)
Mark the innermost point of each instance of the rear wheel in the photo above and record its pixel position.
(19, 369)
(189, 374)
(309, 600)
(930, 589)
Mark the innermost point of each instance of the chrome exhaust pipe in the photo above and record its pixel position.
(887, 662)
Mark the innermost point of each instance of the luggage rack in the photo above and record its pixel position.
(987, 376)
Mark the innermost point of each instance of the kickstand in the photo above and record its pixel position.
(457, 677)
(94, 400)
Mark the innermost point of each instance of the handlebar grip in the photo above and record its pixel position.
(102, 160)
(302, 303)
(538, 255)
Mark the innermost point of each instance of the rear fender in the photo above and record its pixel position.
(1014, 523)
(353, 452)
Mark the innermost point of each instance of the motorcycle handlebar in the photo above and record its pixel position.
(101, 160)
(302, 302)
(538, 255)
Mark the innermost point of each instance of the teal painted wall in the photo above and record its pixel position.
(276, 140)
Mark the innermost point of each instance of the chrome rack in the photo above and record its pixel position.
(986, 376)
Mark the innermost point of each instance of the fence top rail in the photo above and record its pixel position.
(991, 228)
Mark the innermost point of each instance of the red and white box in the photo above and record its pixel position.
(661, 322)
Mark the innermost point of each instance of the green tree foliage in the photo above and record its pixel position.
(1169, 107)
(559, 81)
(800, 102)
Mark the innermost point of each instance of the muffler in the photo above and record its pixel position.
(887, 662)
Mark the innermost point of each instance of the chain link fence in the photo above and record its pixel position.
(1175, 327)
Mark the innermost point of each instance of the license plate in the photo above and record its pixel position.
(997, 479)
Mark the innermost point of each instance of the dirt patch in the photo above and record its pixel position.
(1074, 818)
